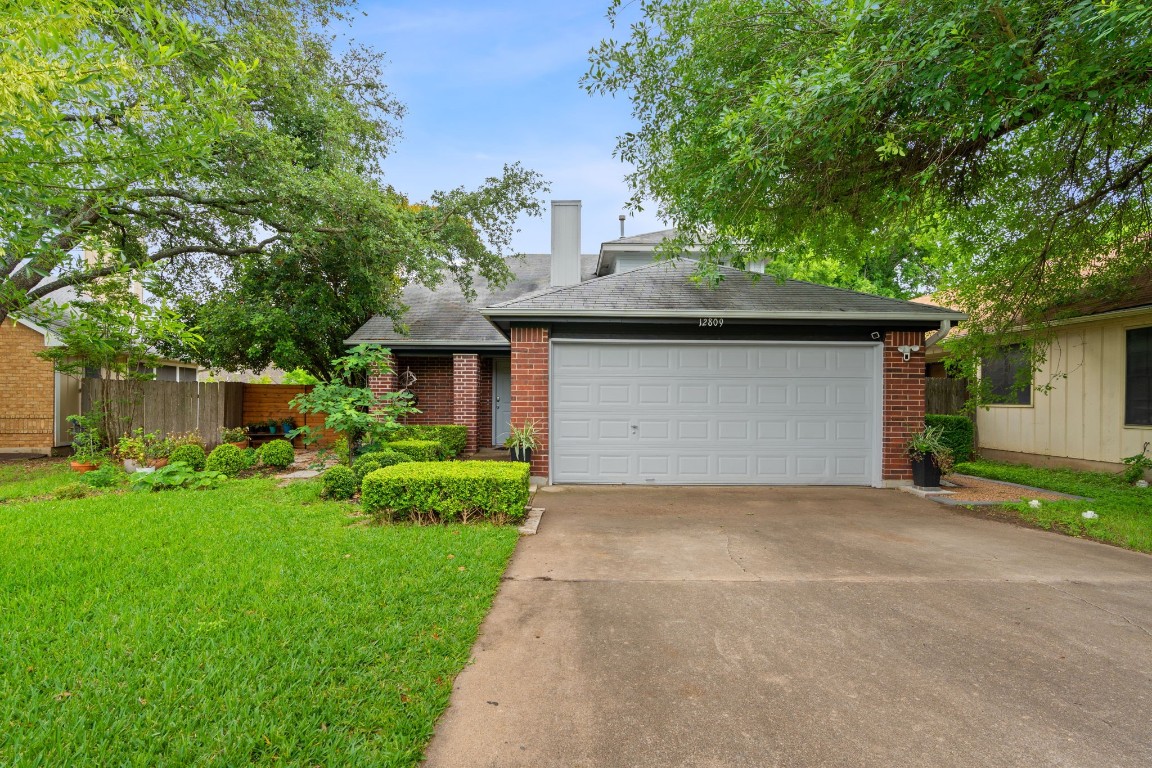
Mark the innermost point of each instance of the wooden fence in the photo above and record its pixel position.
(171, 407)
(270, 401)
(945, 396)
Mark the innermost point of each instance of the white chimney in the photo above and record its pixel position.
(565, 242)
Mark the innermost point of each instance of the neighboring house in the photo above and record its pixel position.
(636, 374)
(36, 400)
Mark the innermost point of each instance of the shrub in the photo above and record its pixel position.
(420, 450)
(377, 459)
(227, 459)
(340, 483)
(278, 453)
(190, 454)
(104, 477)
(73, 491)
(453, 436)
(250, 456)
(176, 475)
(958, 435)
(448, 491)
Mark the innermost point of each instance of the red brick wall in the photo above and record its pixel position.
(466, 395)
(433, 388)
(903, 400)
(27, 391)
(530, 388)
(484, 419)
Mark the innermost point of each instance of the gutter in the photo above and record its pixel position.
(494, 314)
(936, 338)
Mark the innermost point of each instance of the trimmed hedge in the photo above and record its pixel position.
(278, 453)
(226, 458)
(376, 460)
(959, 434)
(420, 450)
(192, 455)
(448, 491)
(340, 483)
(453, 436)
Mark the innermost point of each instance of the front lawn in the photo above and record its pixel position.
(1125, 512)
(243, 625)
(25, 478)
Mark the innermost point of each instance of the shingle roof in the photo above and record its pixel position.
(648, 238)
(667, 289)
(443, 317)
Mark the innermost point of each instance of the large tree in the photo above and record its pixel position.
(231, 144)
(1014, 139)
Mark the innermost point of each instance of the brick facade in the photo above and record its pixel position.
(530, 388)
(466, 396)
(484, 419)
(27, 391)
(903, 401)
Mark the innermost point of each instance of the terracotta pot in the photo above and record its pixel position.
(83, 466)
(157, 463)
(241, 445)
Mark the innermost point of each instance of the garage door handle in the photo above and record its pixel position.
(634, 427)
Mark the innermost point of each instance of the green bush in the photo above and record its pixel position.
(375, 460)
(420, 450)
(104, 477)
(453, 436)
(250, 456)
(227, 459)
(278, 453)
(448, 491)
(340, 483)
(175, 475)
(959, 434)
(192, 455)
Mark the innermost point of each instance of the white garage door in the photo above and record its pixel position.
(795, 413)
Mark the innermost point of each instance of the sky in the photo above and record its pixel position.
(489, 83)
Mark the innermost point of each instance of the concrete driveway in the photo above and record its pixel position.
(803, 627)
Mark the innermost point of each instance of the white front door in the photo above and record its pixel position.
(501, 399)
(706, 413)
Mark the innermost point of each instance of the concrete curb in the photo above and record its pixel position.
(533, 521)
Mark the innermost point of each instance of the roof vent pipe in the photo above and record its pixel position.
(565, 242)
(621, 225)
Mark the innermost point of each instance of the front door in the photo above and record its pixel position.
(501, 399)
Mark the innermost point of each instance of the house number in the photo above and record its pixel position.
(711, 322)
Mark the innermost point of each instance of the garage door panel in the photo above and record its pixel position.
(725, 414)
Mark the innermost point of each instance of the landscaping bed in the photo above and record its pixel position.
(246, 624)
(1124, 511)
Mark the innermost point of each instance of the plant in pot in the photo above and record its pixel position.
(86, 448)
(930, 457)
(272, 426)
(237, 436)
(156, 450)
(521, 442)
(130, 449)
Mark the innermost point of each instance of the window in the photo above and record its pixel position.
(1008, 376)
(1138, 378)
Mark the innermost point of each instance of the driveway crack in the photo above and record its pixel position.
(1138, 626)
(732, 557)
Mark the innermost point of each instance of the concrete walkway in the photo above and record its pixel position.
(803, 627)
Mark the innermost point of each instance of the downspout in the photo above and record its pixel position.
(945, 328)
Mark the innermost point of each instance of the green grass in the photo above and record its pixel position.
(243, 625)
(1125, 511)
(39, 477)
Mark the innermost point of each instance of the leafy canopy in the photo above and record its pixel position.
(1007, 144)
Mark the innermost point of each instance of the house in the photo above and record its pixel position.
(634, 373)
(35, 399)
(1090, 405)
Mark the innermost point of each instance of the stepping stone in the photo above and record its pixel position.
(300, 474)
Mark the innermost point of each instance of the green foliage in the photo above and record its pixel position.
(227, 459)
(957, 433)
(420, 450)
(192, 455)
(1137, 465)
(453, 436)
(103, 477)
(523, 438)
(175, 475)
(377, 459)
(73, 491)
(278, 453)
(340, 483)
(1122, 508)
(930, 442)
(249, 457)
(233, 434)
(448, 491)
(997, 151)
(264, 588)
(86, 437)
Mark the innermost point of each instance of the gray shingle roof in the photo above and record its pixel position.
(443, 317)
(648, 238)
(665, 289)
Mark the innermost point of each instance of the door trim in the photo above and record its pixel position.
(878, 380)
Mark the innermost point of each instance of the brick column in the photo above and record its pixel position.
(382, 383)
(484, 428)
(903, 401)
(530, 388)
(466, 396)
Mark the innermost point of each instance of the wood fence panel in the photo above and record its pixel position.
(945, 396)
(210, 416)
(270, 401)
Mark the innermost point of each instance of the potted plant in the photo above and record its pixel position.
(237, 436)
(521, 442)
(130, 449)
(156, 450)
(86, 450)
(288, 424)
(930, 457)
(272, 425)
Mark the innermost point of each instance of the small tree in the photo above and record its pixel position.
(349, 406)
(110, 332)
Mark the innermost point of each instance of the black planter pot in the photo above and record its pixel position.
(521, 454)
(926, 472)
